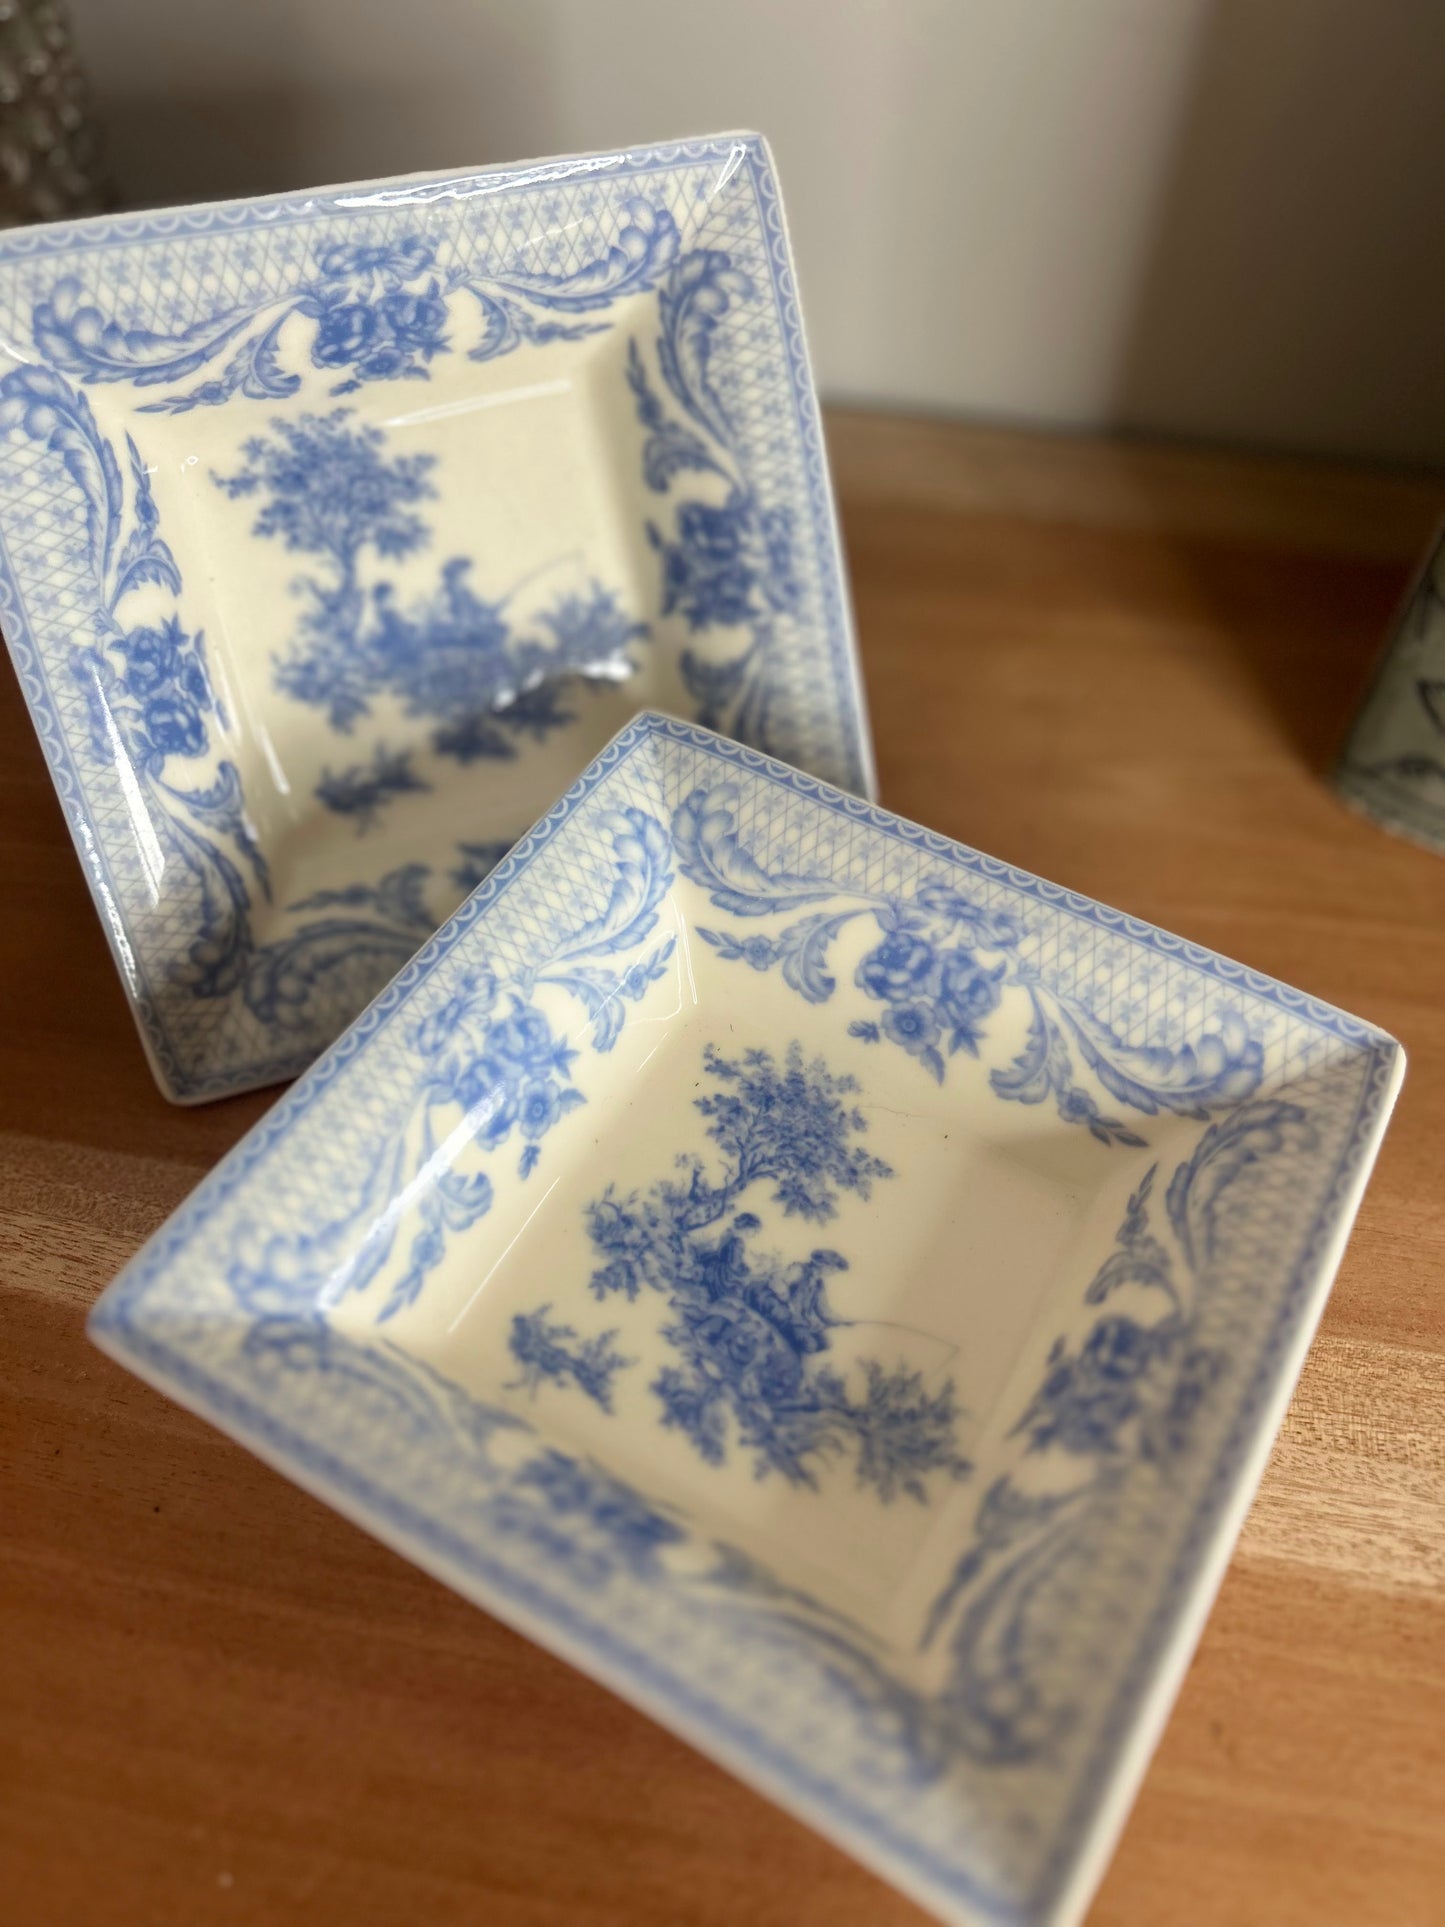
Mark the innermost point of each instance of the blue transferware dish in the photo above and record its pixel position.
(338, 532)
(836, 1289)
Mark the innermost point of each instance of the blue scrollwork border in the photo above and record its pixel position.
(401, 293)
(952, 1878)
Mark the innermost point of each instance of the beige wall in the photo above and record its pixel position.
(1213, 217)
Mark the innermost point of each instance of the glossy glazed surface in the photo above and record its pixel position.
(337, 533)
(835, 1288)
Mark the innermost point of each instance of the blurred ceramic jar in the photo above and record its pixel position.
(50, 151)
(1393, 765)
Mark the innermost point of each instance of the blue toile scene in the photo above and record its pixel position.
(407, 656)
(710, 1382)
(327, 487)
(750, 1335)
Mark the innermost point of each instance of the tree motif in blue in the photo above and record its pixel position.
(153, 710)
(383, 310)
(935, 974)
(546, 1348)
(377, 311)
(727, 561)
(493, 1074)
(750, 1333)
(328, 487)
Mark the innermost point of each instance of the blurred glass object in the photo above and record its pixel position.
(50, 149)
(1393, 765)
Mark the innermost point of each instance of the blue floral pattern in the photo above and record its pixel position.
(377, 312)
(728, 562)
(977, 1756)
(490, 1061)
(236, 317)
(939, 968)
(149, 698)
(1129, 1390)
(751, 1334)
(147, 690)
(329, 488)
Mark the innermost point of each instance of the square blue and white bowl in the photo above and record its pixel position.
(339, 531)
(834, 1288)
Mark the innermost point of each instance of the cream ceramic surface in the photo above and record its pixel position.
(833, 1287)
(338, 532)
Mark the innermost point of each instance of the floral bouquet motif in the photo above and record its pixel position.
(298, 345)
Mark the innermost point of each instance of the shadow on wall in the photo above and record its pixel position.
(1297, 253)
(265, 142)
(1294, 275)
(206, 148)
(1216, 218)
(262, 137)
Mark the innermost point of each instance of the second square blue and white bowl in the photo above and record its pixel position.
(338, 531)
(833, 1287)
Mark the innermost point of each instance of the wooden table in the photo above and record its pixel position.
(1121, 667)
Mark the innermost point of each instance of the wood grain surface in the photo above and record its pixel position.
(1121, 667)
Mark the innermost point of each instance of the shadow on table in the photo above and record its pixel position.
(1293, 286)
(1291, 297)
(1305, 628)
